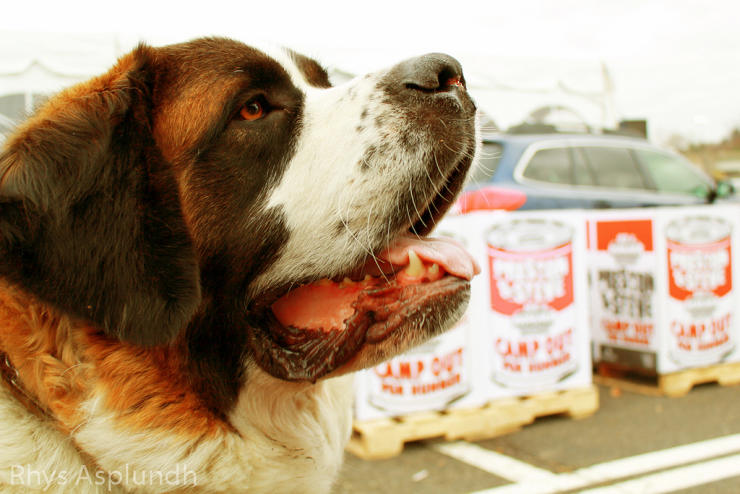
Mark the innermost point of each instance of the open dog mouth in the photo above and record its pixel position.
(313, 329)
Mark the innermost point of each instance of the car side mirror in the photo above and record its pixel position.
(724, 189)
(704, 191)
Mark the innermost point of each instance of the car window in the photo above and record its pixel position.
(670, 173)
(582, 174)
(613, 167)
(39, 99)
(13, 106)
(487, 163)
(6, 126)
(549, 165)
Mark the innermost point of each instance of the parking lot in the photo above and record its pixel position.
(634, 443)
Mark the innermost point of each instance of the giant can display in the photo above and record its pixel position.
(532, 322)
(700, 305)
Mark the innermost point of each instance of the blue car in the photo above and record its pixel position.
(591, 171)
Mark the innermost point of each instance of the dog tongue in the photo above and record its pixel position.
(448, 253)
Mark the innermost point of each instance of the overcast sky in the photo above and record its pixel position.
(676, 62)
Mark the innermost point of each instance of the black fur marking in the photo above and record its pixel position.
(236, 238)
(314, 73)
(216, 340)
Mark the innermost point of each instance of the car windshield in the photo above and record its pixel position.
(671, 173)
(488, 162)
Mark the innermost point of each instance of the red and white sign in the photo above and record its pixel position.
(525, 279)
(622, 263)
(701, 301)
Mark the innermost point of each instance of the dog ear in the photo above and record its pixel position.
(90, 218)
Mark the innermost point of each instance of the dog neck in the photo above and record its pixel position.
(53, 365)
(102, 395)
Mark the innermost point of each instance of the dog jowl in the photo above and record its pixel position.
(199, 246)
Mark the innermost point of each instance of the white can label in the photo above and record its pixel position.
(533, 315)
(429, 377)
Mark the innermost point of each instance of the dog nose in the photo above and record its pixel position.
(431, 73)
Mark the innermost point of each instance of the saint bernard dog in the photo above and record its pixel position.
(198, 248)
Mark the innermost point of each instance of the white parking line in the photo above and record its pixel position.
(532, 480)
(492, 462)
(658, 460)
(677, 478)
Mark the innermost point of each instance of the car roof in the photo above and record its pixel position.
(513, 146)
(524, 139)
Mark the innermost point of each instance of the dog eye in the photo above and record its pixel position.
(252, 110)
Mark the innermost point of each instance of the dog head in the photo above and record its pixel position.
(234, 200)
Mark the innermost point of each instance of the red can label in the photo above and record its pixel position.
(700, 302)
(699, 268)
(521, 279)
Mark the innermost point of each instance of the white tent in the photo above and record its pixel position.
(32, 66)
(508, 89)
(511, 89)
(516, 89)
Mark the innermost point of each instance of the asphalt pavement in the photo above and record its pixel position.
(633, 444)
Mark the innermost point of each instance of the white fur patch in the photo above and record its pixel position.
(36, 457)
(281, 427)
(336, 211)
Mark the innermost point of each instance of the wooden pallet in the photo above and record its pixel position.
(675, 384)
(385, 438)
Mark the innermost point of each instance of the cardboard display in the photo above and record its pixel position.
(679, 262)
(652, 289)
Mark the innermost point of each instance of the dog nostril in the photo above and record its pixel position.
(431, 73)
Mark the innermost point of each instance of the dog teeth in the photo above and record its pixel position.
(433, 270)
(415, 268)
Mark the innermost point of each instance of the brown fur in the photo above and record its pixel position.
(61, 363)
